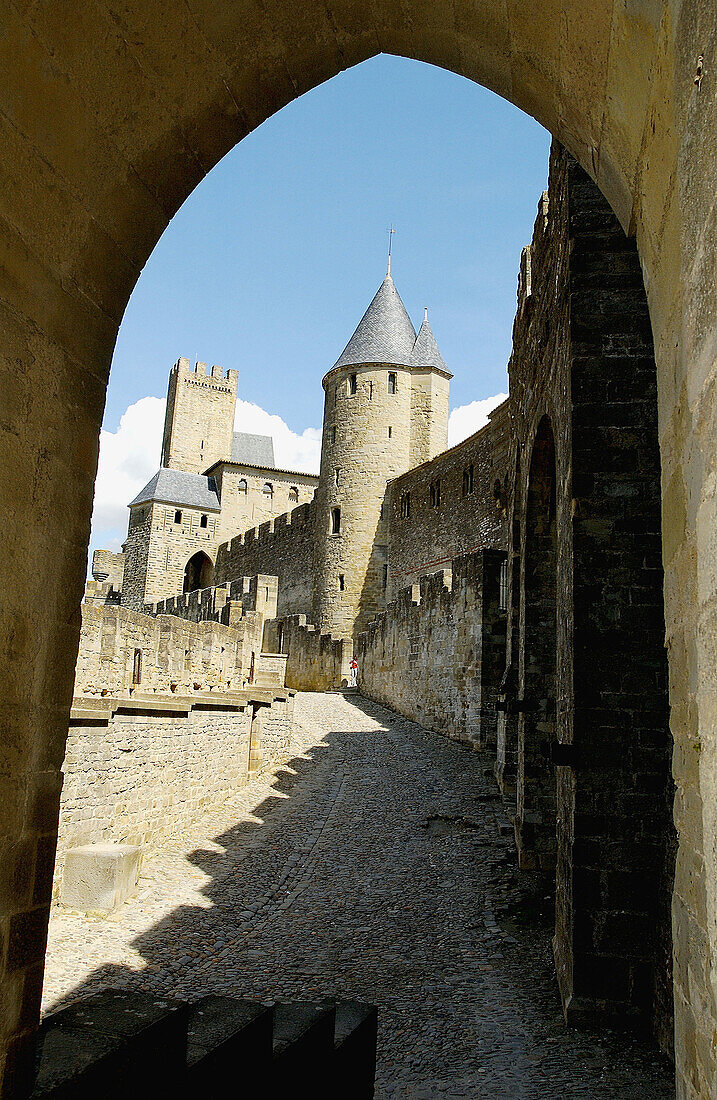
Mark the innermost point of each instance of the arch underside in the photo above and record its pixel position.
(111, 116)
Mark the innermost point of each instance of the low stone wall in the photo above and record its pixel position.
(315, 661)
(139, 771)
(437, 652)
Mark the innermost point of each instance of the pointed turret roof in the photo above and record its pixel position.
(425, 351)
(384, 334)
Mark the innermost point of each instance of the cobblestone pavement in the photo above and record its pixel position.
(376, 864)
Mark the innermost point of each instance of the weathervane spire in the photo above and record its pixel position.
(390, 242)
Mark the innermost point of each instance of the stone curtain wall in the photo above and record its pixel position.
(144, 772)
(242, 510)
(586, 696)
(433, 534)
(177, 655)
(436, 654)
(284, 549)
(315, 661)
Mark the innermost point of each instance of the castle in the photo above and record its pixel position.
(218, 509)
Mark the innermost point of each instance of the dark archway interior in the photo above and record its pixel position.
(198, 572)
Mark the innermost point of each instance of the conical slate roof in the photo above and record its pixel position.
(425, 351)
(384, 334)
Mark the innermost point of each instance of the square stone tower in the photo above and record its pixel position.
(199, 421)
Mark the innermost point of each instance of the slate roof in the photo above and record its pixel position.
(252, 450)
(180, 487)
(425, 351)
(384, 334)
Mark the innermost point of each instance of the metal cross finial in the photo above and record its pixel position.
(390, 242)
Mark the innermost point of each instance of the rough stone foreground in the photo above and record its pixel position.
(376, 864)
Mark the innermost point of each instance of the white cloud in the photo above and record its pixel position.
(467, 419)
(291, 450)
(128, 459)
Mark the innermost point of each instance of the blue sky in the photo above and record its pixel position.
(270, 263)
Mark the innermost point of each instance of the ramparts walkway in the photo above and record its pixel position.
(376, 865)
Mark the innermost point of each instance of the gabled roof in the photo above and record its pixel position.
(384, 334)
(252, 450)
(425, 351)
(180, 487)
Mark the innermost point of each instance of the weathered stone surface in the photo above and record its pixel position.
(99, 876)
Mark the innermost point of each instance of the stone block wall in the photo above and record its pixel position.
(141, 772)
(436, 654)
(451, 511)
(284, 549)
(315, 661)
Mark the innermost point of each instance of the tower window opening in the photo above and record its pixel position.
(385, 577)
(435, 493)
(242, 486)
(405, 505)
(178, 516)
(390, 431)
(342, 584)
(337, 475)
(370, 391)
(468, 480)
(333, 435)
(391, 382)
(353, 383)
(294, 494)
(203, 521)
(137, 667)
(503, 586)
(335, 521)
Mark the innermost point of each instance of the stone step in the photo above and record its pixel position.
(224, 1034)
(355, 1050)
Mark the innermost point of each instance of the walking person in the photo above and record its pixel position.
(353, 665)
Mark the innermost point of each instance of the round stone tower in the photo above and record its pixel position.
(385, 411)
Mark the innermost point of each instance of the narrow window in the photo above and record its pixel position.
(293, 494)
(468, 480)
(385, 577)
(391, 382)
(203, 521)
(242, 486)
(390, 432)
(335, 521)
(336, 394)
(177, 516)
(503, 586)
(405, 505)
(337, 475)
(435, 493)
(137, 667)
(353, 383)
(370, 391)
(333, 435)
(341, 582)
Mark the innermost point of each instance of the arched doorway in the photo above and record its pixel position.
(198, 572)
(623, 88)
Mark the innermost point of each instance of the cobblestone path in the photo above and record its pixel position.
(376, 864)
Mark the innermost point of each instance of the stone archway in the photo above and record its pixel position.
(198, 572)
(110, 116)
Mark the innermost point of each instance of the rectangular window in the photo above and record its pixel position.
(385, 577)
(177, 516)
(370, 391)
(337, 475)
(405, 505)
(341, 582)
(203, 521)
(390, 432)
(353, 383)
(435, 493)
(391, 382)
(137, 667)
(468, 480)
(335, 521)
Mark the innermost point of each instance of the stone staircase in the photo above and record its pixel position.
(115, 1045)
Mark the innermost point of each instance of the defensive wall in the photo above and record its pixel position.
(452, 505)
(315, 661)
(283, 548)
(140, 770)
(436, 654)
